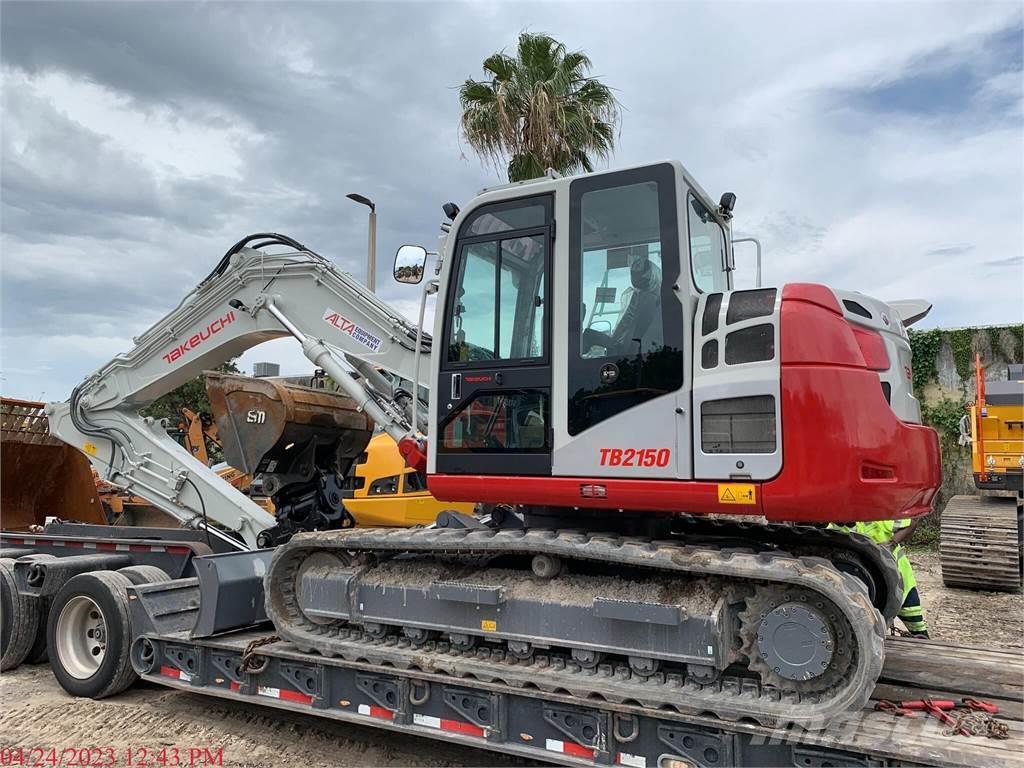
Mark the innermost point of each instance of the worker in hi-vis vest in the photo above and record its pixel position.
(894, 533)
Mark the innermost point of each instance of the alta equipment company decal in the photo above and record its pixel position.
(196, 339)
(345, 325)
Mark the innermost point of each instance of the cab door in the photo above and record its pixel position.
(627, 351)
(494, 383)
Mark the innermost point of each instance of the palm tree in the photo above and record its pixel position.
(539, 109)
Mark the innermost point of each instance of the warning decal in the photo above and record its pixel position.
(733, 493)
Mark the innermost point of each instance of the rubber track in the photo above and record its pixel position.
(728, 698)
(889, 583)
(980, 544)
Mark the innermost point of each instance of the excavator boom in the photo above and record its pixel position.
(251, 297)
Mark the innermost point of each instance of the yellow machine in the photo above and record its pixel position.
(981, 538)
(996, 424)
(385, 492)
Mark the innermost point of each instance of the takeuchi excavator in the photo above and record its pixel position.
(595, 378)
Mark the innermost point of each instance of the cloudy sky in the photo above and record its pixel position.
(873, 146)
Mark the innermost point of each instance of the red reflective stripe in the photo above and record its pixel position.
(170, 672)
(379, 712)
(301, 698)
(178, 550)
(105, 545)
(572, 748)
(235, 686)
(14, 541)
(69, 543)
(138, 548)
(460, 727)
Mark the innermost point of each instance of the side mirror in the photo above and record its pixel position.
(410, 261)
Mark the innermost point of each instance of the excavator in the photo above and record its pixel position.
(660, 451)
(981, 543)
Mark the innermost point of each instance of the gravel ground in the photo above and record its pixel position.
(987, 619)
(37, 713)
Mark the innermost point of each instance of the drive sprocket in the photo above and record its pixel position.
(795, 639)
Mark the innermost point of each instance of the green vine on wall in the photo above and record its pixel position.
(961, 343)
(944, 416)
(926, 345)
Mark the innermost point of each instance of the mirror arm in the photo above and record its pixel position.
(429, 288)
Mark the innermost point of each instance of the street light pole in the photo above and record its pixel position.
(371, 240)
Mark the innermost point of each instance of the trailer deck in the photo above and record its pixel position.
(205, 632)
(563, 728)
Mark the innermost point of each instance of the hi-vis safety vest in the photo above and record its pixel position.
(881, 532)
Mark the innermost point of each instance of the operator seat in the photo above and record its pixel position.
(638, 316)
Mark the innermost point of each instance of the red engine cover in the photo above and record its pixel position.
(846, 455)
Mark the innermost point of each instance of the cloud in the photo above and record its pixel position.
(1011, 261)
(872, 147)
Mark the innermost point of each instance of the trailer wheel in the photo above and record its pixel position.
(37, 654)
(144, 574)
(89, 635)
(19, 618)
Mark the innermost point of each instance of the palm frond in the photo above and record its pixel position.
(539, 109)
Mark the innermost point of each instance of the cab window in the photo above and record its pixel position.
(625, 321)
(500, 300)
(707, 248)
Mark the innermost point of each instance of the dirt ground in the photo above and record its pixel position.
(987, 619)
(35, 712)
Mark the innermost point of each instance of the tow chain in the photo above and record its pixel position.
(974, 717)
(252, 661)
(972, 723)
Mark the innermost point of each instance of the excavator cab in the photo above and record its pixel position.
(592, 343)
(564, 306)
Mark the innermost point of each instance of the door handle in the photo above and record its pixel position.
(456, 386)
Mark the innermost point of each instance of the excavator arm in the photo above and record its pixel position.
(253, 295)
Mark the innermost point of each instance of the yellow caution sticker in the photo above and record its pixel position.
(487, 625)
(737, 493)
(90, 448)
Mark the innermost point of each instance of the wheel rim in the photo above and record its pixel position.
(81, 637)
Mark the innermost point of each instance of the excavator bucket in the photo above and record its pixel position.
(269, 426)
(40, 476)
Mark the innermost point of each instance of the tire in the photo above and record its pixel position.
(19, 619)
(144, 574)
(38, 652)
(89, 635)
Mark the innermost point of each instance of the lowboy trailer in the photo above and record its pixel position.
(188, 618)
